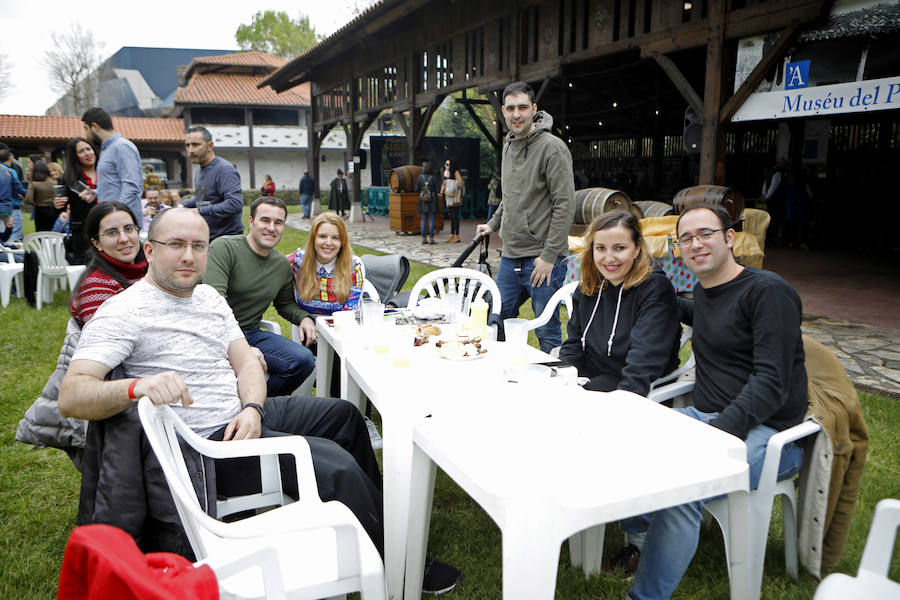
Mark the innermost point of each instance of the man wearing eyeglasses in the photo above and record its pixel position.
(751, 379)
(179, 344)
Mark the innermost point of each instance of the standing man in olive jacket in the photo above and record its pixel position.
(536, 212)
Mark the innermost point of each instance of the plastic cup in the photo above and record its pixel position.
(402, 339)
(373, 313)
(451, 307)
(381, 335)
(517, 338)
(344, 321)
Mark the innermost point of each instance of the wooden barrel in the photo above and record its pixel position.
(590, 203)
(729, 198)
(403, 179)
(651, 208)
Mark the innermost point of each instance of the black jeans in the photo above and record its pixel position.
(343, 460)
(454, 219)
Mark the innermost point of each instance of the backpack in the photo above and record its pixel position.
(425, 196)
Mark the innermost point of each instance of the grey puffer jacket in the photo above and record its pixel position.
(43, 426)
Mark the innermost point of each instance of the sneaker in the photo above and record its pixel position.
(439, 577)
(626, 560)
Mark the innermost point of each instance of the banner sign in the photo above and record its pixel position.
(855, 96)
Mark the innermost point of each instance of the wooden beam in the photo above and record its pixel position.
(680, 82)
(426, 118)
(542, 89)
(712, 92)
(785, 39)
(478, 122)
(752, 20)
(402, 120)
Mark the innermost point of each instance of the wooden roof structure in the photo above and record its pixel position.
(600, 67)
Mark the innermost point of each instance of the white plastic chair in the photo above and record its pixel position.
(871, 581)
(474, 284)
(9, 271)
(52, 265)
(677, 383)
(563, 294)
(306, 387)
(322, 549)
(761, 500)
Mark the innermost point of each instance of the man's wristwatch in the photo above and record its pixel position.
(258, 408)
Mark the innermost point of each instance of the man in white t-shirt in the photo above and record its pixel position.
(178, 342)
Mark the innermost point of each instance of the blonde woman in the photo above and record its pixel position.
(327, 277)
(624, 328)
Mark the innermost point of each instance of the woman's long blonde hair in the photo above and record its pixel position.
(308, 280)
(591, 277)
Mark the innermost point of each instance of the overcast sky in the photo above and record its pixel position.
(25, 29)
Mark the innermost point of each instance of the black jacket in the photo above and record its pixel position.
(645, 346)
(122, 484)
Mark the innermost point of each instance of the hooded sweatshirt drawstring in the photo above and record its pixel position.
(612, 335)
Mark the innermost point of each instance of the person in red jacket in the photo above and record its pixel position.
(268, 188)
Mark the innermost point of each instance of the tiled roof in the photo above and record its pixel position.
(61, 129)
(239, 89)
(253, 58)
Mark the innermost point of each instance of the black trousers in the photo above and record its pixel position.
(343, 460)
(454, 219)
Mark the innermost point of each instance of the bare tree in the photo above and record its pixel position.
(6, 85)
(72, 64)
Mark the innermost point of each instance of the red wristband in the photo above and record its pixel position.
(131, 388)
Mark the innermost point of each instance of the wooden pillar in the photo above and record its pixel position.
(312, 142)
(188, 165)
(414, 121)
(712, 169)
(251, 154)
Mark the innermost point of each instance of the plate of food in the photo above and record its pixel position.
(469, 349)
(429, 309)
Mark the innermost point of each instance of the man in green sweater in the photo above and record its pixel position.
(251, 274)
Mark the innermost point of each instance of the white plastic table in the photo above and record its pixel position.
(576, 478)
(403, 397)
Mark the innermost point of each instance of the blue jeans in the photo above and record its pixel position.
(492, 208)
(288, 362)
(306, 201)
(515, 289)
(672, 533)
(18, 229)
(430, 218)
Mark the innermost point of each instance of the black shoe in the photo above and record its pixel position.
(626, 560)
(439, 577)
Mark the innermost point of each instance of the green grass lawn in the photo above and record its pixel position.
(39, 490)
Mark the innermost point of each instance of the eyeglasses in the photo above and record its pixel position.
(114, 233)
(179, 246)
(702, 235)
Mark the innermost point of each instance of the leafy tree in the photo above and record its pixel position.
(72, 65)
(276, 33)
(5, 83)
(453, 120)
